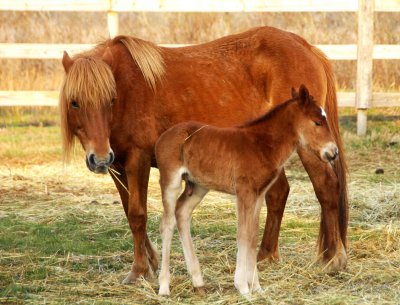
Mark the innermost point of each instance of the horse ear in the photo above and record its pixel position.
(304, 94)
(295, 94)
(67, 61)
(107, 57)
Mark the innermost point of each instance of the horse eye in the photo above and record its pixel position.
(74, 104)
(113, 101)
(318, 123)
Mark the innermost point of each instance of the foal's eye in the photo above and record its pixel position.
(113, 101)
(318, 123)
(74, 104)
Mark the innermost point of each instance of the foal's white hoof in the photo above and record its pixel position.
(164, 291)
(244, 291)
(258, 289)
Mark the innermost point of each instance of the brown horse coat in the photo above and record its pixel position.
(224, 82)
(243, 161)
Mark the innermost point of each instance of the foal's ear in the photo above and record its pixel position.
(67, 61)
(295, 94)
(304, 94)
(107, 57)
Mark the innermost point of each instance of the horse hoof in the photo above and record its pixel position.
(130, 278)
(200, 291)
(164, 291)
(258, 289)
(272, 257)
(154, 261)
(337, 263)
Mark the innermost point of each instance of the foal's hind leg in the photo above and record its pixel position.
(184, 209)
(276, 198)
(170, 188)
(326, 187)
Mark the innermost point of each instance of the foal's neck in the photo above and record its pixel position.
(280, 122)
(276, 130)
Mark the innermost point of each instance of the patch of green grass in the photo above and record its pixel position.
(70, 235)
(28, 116)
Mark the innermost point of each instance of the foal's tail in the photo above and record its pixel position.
(340, 166)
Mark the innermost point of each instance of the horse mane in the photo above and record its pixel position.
(268, 114)
(147, 56)
(91, 83)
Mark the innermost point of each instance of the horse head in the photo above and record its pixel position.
(86, 100)
(315, 133)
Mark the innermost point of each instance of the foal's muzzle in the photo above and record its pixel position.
(99, 165)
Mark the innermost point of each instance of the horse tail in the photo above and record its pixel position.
(339, 166)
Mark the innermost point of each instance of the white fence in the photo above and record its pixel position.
(364, 51)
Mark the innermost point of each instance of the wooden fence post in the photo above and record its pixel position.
(364, 62)
(112, 21)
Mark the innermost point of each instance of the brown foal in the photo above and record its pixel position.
(244, 161)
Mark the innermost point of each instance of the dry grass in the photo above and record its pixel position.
(64, 240)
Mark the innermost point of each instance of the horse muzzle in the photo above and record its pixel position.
(99, 165)
(330, 152)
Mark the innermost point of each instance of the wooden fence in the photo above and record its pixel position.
(364, 51)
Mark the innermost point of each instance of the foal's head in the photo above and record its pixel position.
(86, 101)
(314, 130)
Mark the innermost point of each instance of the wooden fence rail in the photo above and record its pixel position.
(364, 51)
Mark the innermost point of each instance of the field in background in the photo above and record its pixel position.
(72, 27)
(65, 239)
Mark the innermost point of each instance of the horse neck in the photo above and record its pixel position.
(278, 132)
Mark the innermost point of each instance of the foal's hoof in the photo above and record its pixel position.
(337, 263)
(164, 291)
(200, 291)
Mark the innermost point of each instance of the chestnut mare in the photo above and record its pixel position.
(244, 161)
(119, 97)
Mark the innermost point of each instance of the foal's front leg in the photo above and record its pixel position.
(253, 225)
(184, 209)
(246, 270)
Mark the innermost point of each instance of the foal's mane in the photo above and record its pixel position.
(269, 114)
(91, 83)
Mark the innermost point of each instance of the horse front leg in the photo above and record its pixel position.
(121, 183)
(136, 177)
(275, 198)
(333, 212)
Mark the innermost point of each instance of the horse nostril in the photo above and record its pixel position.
(331, 157)
(92, 159)
(111, 157)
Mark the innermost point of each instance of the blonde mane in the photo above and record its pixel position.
(148, 57)
(91, 83)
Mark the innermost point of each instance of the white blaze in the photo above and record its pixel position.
(323, 112)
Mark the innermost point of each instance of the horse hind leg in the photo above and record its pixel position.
(170, 188)
(187, 202)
